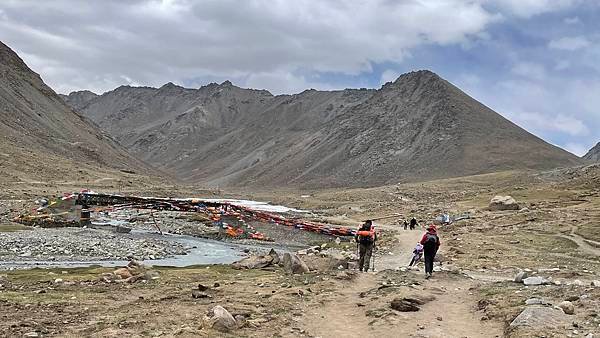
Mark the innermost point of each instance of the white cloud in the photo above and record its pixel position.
(529, 8)
(572, 20)
(562, 65)
(576, 148)
(94, 44)
(543, 123)
(529, 70)
(569, 43)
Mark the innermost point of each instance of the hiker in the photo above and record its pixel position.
(413, 223)
(405, 225)
(417, 254)
(431, 244)
(365, 238)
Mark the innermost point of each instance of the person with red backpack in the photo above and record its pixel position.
(365, 238)
(431, 244)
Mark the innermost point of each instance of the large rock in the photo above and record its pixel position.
(293, 264)
(521, 276)
(535, 281)
(254, 262)
(123, 273)
(567, 307)
(220, 319)
(405, 305)
(540, 318)
(328, 262)
(275, 255)
(410, 303)
(503, 203)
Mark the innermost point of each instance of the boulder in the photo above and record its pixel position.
(253, 262)
(596, 283)
(535, 281)
(521, 276)
(326, 262)
(275, 255)
(123, 273)
(220, 319)
(503, 203)
(540, 318)
(405, 305)
(200, 294)
(293, 264)
(567, 307)
(535, 301)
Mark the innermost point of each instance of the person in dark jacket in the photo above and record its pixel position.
(365, 237)
(431, 244)
(413, 223)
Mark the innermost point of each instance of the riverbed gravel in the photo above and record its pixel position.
(83, 244)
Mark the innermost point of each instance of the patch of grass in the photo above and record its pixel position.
(73, 274)
(589, 231)
(12, 227)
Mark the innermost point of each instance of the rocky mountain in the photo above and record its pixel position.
(40, 136)
(594, 154)
(78, 99)
(418, 127)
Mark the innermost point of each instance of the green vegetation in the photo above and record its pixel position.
(12, 227)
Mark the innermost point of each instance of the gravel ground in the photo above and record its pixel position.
(75, 244)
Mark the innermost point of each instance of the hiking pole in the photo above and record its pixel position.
(373, 256)
(357, 254)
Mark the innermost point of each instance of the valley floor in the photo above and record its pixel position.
(554, 235)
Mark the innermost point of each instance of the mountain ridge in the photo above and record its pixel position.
(417, 127)
(594, 154)
(43, 137)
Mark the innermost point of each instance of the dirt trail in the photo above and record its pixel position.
(582, 242)
(342, 316)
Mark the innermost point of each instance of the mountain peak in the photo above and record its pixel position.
(169, 86)
(423, 74)
(594, 154)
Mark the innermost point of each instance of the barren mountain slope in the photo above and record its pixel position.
(43, 138)
(78, 99)
(594, 154)
(418, 127)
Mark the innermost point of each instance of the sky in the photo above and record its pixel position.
(533, 61)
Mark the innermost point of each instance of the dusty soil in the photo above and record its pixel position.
(554, 235)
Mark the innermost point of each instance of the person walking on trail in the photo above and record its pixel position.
(413, 223)
(417, 254)
(405, 225)
(365, 237)
(431, 244)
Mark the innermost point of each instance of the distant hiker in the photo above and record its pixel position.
(413, 223)
(405, 225)
(417, 254)
(365, 237)
(431, 244)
